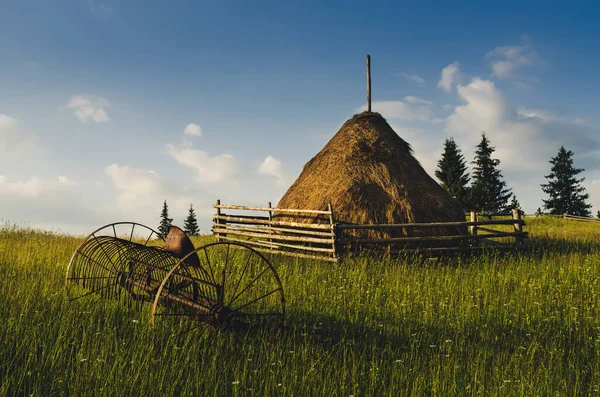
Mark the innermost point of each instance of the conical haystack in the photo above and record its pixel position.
(369, 175)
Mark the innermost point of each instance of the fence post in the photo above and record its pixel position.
(270, 226)
(473, 228)
(217, 220)
(334, 232)
(516, 214)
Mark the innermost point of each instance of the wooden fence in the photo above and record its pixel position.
(266, 234)
(564, 216)
(278, 230)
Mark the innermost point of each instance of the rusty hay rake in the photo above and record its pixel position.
(223, 284)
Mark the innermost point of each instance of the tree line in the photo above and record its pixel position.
(488, 193)
(190, 225)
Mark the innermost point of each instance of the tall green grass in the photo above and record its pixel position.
(501, 325)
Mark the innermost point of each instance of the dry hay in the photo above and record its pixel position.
(369, 175)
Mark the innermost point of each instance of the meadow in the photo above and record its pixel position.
(494, 324)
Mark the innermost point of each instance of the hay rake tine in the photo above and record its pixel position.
(93, 292)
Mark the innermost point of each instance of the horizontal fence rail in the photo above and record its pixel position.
(325, 239)
(283, 234)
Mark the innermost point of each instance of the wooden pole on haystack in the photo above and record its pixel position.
(368, 83)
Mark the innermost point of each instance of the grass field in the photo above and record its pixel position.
(500, 325)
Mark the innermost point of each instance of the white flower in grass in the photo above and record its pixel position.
(82, 360)
(235, 382)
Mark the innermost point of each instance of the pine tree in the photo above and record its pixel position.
(165, 221)
(190, 226)
(515, 205)
(566, 195)
(452, 171)
(539, 211)
(598, 214)
(488, 192)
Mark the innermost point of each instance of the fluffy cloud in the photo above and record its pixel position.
(450, 76)
(506, 60)
(410, 108)
(34, 186)
(140, 194)
(192, 130)
(415, 78)
(46, 203)
(272, 167)
(12, 137)
(525, 138)
(209, 169)
(89, 108)
(417, 101)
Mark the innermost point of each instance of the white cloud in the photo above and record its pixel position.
(12, 137)
(209, 169)
(141, 193)
(506, 60)
(192, 130)
(415, 78)
(525, 139)
(418, 101)
(41, 202)
(34, 186)
(450, 76)
(409, 109)
(273, 167)
(89, 108)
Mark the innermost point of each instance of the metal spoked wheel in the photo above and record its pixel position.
(109, 258)
(231, 286)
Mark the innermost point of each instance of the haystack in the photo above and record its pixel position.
(369, 175)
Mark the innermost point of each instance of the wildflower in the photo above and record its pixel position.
(135, 321)
(235, 382)
(82, 360)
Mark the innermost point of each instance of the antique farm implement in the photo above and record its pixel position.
(224, 284)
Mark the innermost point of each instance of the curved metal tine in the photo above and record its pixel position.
(114, 230)
(98, 263)
(241, 275)
(200, 286)
(131, 235)
(93, 291)
(249, 285)
(102, 248)
(257, 299)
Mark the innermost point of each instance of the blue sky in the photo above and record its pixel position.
(95, 97)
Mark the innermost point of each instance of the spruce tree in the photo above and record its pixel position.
(515, 205)
(566, 195)
(165, 221)
(488, 192)
(452, 171)
(598, 214)
(190, 226)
